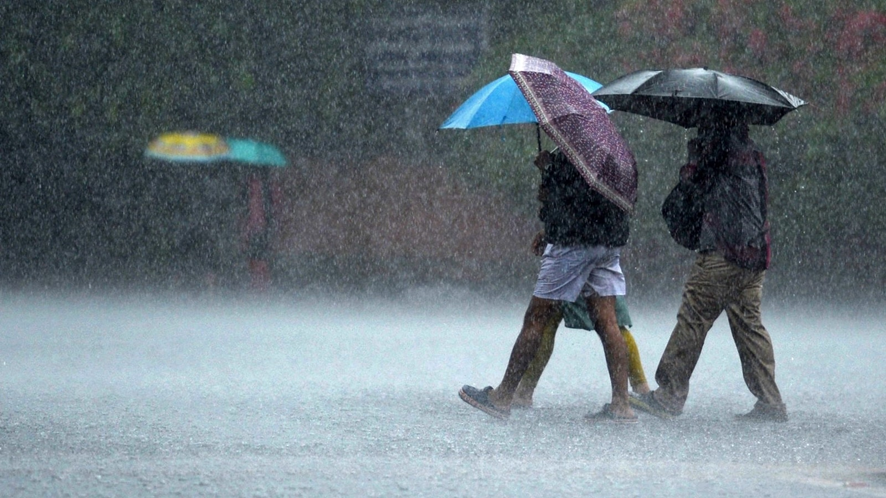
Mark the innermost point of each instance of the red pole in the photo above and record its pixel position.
(257, 232)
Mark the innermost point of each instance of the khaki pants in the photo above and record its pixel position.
(716, 285)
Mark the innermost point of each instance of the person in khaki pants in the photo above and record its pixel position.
(733, 255)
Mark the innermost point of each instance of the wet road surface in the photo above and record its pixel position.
(146, 397)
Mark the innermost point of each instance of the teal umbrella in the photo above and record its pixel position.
(252, 152)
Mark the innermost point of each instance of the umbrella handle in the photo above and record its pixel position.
(538, 135)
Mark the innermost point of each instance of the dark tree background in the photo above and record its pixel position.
(353, 92)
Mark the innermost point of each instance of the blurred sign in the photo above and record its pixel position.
(423, 49)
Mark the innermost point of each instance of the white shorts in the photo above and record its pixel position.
(569, 272)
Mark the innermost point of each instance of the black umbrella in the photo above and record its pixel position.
(686, 96)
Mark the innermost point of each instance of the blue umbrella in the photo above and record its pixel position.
(501, 102)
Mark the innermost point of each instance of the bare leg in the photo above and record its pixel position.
(523, 395)
(526, 388)
(614, 350)
(538, 314)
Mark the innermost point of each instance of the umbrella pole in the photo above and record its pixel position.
(538, 135)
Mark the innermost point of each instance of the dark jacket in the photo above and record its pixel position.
(574, 214)
(735, 209)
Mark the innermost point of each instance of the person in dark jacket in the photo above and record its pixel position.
(584, 232)
(575, 315)
(733, 256)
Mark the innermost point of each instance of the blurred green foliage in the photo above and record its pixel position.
(86, 84)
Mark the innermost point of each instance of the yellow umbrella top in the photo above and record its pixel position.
(188, 146)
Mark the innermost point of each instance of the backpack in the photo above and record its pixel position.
(683, 210)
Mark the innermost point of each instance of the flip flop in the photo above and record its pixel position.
(479, 399)
(608, 416)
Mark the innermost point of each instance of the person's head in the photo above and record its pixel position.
(717, 134)
(719, 120)
(720, 123)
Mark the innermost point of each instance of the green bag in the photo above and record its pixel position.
(576, 315)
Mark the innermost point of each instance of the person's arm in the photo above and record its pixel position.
(690, 169)
(539, 244)
(543, 160)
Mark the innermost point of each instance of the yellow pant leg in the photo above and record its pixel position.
(635, 367)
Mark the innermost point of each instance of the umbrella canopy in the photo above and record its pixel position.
(582, 129)
(686, 96)
(258, 153)
(206, 147)
(501, 102)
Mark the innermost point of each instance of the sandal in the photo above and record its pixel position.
(479, 399)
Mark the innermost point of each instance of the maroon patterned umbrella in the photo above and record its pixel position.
(580, 126)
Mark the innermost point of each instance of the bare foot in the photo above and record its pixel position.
(496, 400)
(621, 409)
(521, 402)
